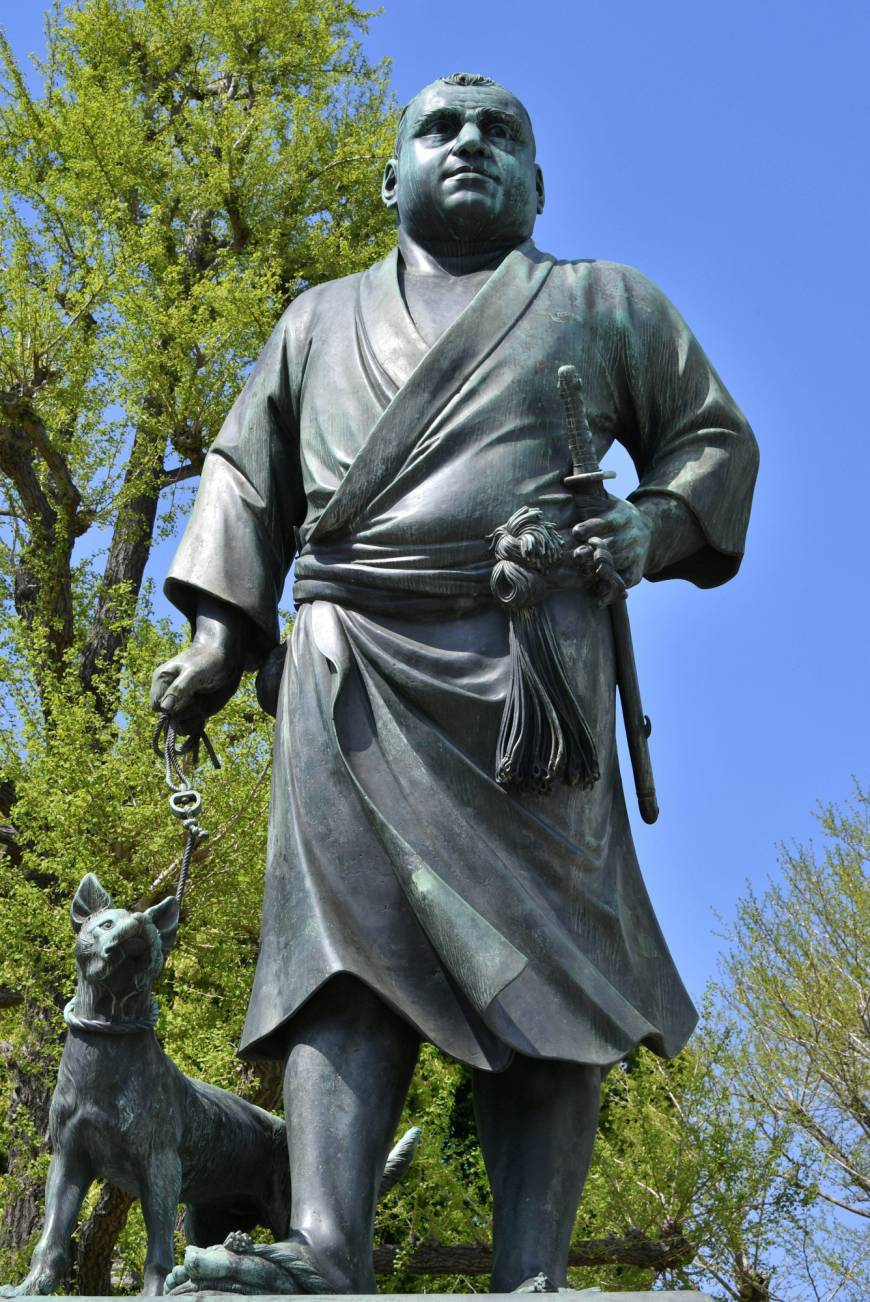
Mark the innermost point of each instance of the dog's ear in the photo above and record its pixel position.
(164, 916)
(90, 898)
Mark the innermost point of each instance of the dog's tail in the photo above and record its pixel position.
(399, 1160)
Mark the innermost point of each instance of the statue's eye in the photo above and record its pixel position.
(107, 925)
(441, 127)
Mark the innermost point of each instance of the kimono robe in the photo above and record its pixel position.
(493, 922)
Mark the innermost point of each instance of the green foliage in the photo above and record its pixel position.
(185, 168)
(796, 984)
(446, 1195)
(676, 1148)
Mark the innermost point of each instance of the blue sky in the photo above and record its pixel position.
(722, 148)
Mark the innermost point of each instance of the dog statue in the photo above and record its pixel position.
(123, 1112)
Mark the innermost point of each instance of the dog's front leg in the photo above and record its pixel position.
(68, 1181)
(161, 1187)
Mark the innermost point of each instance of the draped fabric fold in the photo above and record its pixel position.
(493, 921)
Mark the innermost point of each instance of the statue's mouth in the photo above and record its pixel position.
(467, 172)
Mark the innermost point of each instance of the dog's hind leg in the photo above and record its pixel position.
(68, 1181)
(161, 1186)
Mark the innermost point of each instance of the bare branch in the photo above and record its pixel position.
(837, 1202)
(178, 474)
(339, 162)
(84, 310)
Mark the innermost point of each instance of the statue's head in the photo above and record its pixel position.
(464, 169)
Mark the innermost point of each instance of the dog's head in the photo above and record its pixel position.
(115, 948)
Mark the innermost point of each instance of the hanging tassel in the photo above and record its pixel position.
(543, 733)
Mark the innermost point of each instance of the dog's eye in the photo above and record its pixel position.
(107, 925)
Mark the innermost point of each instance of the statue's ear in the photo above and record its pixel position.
(90, 898)
(539, 188)
(389, 184)
(164, 916)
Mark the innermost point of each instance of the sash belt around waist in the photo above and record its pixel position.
(544, 734)
(416, 595)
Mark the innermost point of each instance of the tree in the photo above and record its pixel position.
(186, 168)
(796, 982)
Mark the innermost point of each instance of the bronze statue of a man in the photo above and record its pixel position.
(394, 421)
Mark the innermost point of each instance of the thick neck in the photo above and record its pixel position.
(453, 258)
(96, 1002)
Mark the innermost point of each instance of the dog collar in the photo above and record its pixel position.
(108, 1026)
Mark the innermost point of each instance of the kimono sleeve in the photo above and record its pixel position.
(690, 439)
(239, 541)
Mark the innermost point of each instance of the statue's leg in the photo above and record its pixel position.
(536, 1123)
(347, 1074)
(161, 1187)
(69, 1176)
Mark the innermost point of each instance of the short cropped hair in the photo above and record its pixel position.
(453, 79)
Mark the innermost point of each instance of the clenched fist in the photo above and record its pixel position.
(200, 680)
(621, 529)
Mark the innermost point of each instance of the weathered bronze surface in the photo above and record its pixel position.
(394, 421)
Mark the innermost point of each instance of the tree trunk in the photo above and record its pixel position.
(96, 1241)
(125, 565)
(32, 1070)
(752, 1284)
(43, 581)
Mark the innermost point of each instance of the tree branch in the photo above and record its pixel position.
(16, 461)
(10, 998)
(630, 1249)
(9, 842)
(178, 474)
(339, 162)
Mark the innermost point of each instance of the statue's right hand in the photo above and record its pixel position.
(195, 684)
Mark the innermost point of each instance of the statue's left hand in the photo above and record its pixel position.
(623, 530)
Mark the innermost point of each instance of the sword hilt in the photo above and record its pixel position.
(587, 475)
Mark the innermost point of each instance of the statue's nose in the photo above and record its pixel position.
(471, 140)
(129, 938)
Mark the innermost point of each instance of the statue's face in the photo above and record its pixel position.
(466, 171)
